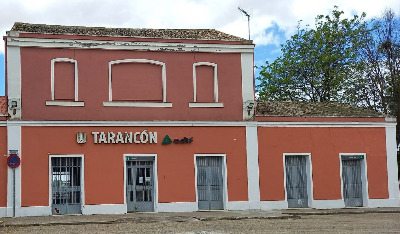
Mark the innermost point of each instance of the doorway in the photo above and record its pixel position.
(140, 184)
(210, 182)
(66, 185)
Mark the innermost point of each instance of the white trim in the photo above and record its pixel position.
(197, 123)
(3, 212)
(64, 103)
(214, 65)
(104, 209)
(14, 143)
(82, 156)
(134, 103)
(14, 79)
(35, 211)
(310, 189)
(155, 177)
(67, 60)
(177, 207)
(253, 175)
(247, 62)
(273, 205)
(392, 164)
(391, 202)
(364, 176)
(238, 205)
(206, 105)
(224, 177)
(328, 204)
(138, 104)
(127, 45)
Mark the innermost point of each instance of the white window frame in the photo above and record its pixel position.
(134, 103)
(364, 176)
(82, 156)
(54, 102)
(208, 104)
(310, 185)
(224, 177)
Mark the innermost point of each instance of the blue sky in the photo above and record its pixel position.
(272, 21)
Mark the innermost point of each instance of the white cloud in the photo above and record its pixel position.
(221, 14)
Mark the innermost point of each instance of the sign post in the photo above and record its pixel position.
(13, 161)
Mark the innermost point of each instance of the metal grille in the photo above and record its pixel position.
(140, 185)
(66, 184)
(296, 181)
(352, 184)
(209, 183)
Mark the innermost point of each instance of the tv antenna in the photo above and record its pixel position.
(248, 18)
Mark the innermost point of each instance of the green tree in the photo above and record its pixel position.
(315, 62)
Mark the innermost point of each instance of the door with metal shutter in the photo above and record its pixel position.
(296, 181)
(209, 183)
(352, 184)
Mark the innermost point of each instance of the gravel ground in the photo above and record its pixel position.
(335, 223)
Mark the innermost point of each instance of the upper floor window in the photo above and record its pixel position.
(137, 83)
(64, 83)
(205, 85)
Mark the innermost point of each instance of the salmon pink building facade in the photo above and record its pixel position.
(104, 121)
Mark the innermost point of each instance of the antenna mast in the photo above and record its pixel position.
(248, 18)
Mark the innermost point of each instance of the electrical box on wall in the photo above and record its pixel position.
(14, 108)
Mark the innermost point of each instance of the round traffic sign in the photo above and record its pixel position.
(13, 161)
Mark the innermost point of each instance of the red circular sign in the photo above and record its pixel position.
(13, 161)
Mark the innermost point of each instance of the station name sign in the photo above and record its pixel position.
(142, 137)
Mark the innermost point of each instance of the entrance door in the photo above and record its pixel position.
(66, 185)
(352, 184)
(139, 184)
(296, 181)
(210, 183)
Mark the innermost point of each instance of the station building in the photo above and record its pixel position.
(110, 120)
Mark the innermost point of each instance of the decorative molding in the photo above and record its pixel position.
(136, 103)
(65, 60)
(127, 45)
(214, 65)
(64, 103)
(195, 123)
(206, 105)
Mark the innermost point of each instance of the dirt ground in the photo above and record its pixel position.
(333, 223)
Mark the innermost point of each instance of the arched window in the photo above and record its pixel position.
(205, 85)
(137, 83)
(64, 83)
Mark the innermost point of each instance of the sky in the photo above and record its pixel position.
(272, 22)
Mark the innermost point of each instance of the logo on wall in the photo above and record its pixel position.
(167, 140)
(81, 138)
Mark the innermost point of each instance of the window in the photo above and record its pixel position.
(205, 85)
(137, 83)
(64, 83)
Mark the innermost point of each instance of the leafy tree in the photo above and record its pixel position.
(346, 60)
(315, 62)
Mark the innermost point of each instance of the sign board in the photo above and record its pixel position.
(352, 157)
(13, 161)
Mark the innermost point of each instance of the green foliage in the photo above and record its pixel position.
(314, 62)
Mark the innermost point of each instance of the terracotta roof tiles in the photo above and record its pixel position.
(197, 34)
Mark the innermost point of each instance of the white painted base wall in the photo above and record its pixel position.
(327, 204)
(33, 211)
(193, 206)
(177, 207)
(104, 209)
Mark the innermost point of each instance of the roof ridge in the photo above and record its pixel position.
(197, 34)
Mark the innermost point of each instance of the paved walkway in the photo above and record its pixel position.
(183, 216)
